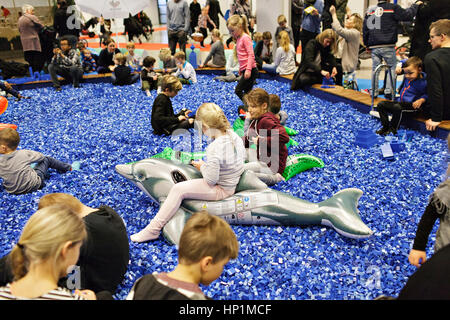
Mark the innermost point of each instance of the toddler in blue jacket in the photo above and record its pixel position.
(413, 95)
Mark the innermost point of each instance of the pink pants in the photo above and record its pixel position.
(197, 189)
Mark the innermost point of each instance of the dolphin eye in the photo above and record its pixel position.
(140, 175)
(177, 176)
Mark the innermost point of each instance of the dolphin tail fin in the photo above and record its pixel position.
(341, 213)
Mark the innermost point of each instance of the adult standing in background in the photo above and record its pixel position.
(178, 17)
(64, 23)
(429, 12)
(311, 21)
(326, 15)
(341, 10)
(29, 27)
(213, 12)
(195, 10)
(297, 7)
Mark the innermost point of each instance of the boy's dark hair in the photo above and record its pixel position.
(274, 103)
(64, 38)
(10, 138)
(413, 61)
(149, 61)
(108, 41)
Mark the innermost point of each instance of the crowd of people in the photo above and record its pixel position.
(54, 238)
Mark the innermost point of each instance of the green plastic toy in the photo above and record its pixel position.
(297, 163)
(184, 157)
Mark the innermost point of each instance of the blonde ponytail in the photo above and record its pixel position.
(44, 236)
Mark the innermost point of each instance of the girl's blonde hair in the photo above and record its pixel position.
(43, 238)
(68, 200)
(207, 235)
(216, 33)
(358, 22)
(131, 45)
(328, 34)
(171, 82)
(240, 22)
(120, 58)
(165, 54)
(212, 115)
(285, 41)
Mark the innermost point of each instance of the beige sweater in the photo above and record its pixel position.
(350, 47)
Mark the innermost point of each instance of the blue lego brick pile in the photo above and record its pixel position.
(103, 126)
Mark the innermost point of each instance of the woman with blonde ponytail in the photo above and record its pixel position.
(284, 60)
(221, 171)
(50, 244)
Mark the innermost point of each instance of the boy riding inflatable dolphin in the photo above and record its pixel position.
(253, 202)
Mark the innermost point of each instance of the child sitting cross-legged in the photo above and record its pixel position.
(413, 95)
(122, 73)
(15, 170)
(185, 71)
(149, 78)
(164, 120)
(207, 243)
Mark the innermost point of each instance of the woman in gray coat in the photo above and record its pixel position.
(29, 27)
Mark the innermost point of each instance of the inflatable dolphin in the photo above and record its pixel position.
(253, 202)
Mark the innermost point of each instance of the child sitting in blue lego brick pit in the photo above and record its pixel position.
(413, 95)
(15, 165)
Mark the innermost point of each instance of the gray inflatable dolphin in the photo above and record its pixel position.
(253, 202)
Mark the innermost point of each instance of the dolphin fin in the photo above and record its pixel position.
(341, 213)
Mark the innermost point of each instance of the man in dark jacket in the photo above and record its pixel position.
(380, 35)
(437, 67)
(428, 12)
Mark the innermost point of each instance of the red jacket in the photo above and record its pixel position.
(271, 135)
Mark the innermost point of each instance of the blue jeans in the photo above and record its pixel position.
(49, 162)
(270, 68)
(387, 54)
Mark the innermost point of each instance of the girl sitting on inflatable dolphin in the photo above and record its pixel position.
(221, 172)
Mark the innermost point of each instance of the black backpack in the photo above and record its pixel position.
(13, 69)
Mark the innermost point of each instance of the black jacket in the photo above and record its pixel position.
(162, 114)
(105, 58)
(430, 11)
(437, 67)
(380, 26)
(123, 75)
(313, 48)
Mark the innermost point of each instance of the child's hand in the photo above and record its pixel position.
(7, 85)
(87, 294)
(198, 164)
(255, 140)
(112, 68)
(247, 74)
(181, 118)
(191, 120)
(418, 103)
(186, 113)
(332, 10)
(247, 114)
(415, 256)
(399, 70)
(155, 78)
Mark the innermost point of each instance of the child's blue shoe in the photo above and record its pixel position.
(76, 165)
